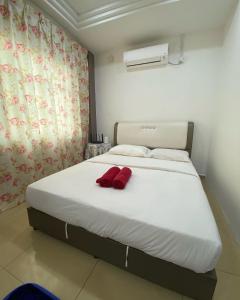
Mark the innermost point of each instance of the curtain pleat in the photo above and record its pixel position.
(44, 99)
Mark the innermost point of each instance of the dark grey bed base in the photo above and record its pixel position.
(171, 276)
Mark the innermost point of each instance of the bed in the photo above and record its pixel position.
(160, 227)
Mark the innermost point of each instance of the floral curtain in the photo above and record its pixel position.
(44, 100)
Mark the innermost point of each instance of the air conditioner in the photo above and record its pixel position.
(146, 57)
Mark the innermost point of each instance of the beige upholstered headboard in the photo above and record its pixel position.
(172, 135)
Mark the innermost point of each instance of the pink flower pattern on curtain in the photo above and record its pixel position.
(44, 100)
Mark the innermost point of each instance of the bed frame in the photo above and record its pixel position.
(145, 129)
(169, 275)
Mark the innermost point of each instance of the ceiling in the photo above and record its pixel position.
(84, 6)
(102, 25)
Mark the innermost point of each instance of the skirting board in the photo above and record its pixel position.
(166, 274)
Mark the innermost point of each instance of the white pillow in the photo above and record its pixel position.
(130, 150)
(170, 154)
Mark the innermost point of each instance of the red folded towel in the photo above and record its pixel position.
(107, 178)
(120, 181)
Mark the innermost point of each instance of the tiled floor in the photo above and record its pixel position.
(27, 255)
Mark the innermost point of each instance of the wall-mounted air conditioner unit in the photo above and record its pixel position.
(146, 57)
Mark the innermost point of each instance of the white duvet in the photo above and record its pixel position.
(163, 211)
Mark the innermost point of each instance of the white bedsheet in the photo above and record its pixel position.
(163, 211)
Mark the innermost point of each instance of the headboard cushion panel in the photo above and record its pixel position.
(172, 135)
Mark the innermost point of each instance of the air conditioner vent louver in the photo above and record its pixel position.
(146, 57)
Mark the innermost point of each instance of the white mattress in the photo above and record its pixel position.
(163, 211)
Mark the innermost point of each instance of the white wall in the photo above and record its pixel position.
(185, 92)
(223, 174)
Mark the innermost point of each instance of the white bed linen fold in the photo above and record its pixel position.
(146, 163)
(163, 211)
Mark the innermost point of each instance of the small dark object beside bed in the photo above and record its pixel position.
(30, 291)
